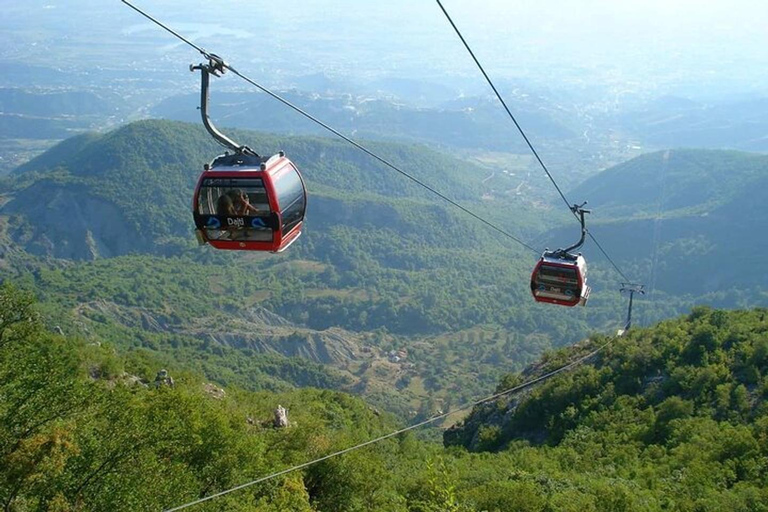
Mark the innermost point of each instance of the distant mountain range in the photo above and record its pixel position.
(679, 122)
(473, 123)
(54, 114)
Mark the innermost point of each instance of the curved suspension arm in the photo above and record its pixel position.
(580, 211)
(214, 67)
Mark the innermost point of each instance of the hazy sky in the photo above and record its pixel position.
(631, 41)
(660, 35)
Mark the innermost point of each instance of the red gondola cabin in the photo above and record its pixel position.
(560, 278)
(247, 202)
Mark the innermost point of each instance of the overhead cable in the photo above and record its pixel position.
(338, 133)
(525, 137)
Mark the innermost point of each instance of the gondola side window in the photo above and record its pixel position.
(235, 201)
(218, 195)
(563, 275)
(291, 197)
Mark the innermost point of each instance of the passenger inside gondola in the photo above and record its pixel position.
(237, 214)
(241, 203)
(224, 205)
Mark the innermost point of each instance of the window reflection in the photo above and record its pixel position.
(239, 205)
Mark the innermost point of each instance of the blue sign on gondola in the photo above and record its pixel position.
(213, 223)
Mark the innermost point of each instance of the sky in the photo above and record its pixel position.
(644, 43)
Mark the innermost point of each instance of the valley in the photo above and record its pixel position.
(371, 280)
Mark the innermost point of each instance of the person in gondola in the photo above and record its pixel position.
(225, 205)
(266, 197)
(241, 204)
(235, 203)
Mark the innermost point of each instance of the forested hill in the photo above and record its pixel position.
(668, 418)
(100, 229)
(685, 221)
(674, 183)
(675, 414)
(381, 267)
(707, 369)
(129, 190)
(83, 427)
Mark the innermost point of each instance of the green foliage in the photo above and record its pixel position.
(689, 178)
(669, 418)
(370, 229)
(437, 493)
(71, 439)
(378, 253)
(671, 414)
(77, 433)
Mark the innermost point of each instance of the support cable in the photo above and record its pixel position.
(657, 226)
(338, 133)
(525, 137)
(433, 419)
(504, 104)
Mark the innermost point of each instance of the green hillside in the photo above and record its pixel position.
(669, 418)
(380, 259)
(675, 416)
(136, 182)
(686, 222)
(83, 428)
(382, 267)
(680, 182)
(711, 364)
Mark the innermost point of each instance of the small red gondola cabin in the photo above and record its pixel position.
(248, 202)
(561, 279)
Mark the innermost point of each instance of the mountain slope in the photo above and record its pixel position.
(380, 258)
(684, 221)
(140, 178)
(711, 364)
(681, 182)
(669, 418)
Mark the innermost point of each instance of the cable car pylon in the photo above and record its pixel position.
(632, 289)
